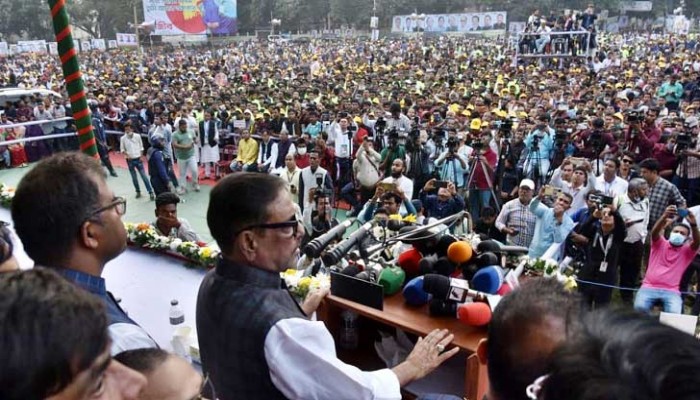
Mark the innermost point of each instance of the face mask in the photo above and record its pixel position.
(301, 151)
(676, 239)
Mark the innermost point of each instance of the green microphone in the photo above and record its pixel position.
(392, 279)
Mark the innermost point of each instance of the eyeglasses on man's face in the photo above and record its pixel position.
(289, 227)
(118, 203)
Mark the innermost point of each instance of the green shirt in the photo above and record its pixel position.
(183, 139)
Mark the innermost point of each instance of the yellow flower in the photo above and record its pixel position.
(396, 217)
(206, 252)
(290, 272)
(570, 283)
(304, 283)
(410, 219)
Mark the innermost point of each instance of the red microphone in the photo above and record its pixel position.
(474, 314)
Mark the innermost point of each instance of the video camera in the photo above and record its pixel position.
(685, 141)
(505, 127)
(634, 116)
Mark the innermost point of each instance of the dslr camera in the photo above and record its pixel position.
(600, 200)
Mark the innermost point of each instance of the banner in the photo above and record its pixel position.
(99, 44)
(85, 45)
(126, 40)
(111, 44)
(470, 22)
(4, 49)
(53, 48)
(636, 6)
(182, 17)
(31, 46)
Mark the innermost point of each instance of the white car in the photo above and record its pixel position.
(14, 94)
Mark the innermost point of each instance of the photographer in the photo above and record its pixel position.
(483, 175)
(442, 204)
(366, 175)
(340, 136)
(418, 159)
(397, 120)
(595, 143)
(393, 151)
(687, 177)
(642, 135)
(318, 216)
(605, 231)
(539, 144)
(453, 165)
(390, 201)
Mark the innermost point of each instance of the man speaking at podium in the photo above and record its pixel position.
(255, 340)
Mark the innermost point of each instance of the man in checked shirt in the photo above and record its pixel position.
(662, 193)
(516, 220)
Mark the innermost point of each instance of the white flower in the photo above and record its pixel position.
(175, 243)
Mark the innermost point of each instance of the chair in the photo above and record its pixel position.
(223, 167)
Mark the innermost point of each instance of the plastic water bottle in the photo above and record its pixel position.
(177, 316)
(181, 333)
(348, 333)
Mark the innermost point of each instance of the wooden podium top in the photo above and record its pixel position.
(416, 320)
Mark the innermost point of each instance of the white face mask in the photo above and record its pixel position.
(301, 151)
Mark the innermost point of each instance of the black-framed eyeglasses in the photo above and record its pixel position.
(207, 389)
(293, 223)
(118, 203)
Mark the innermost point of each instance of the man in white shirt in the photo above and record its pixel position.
(255, 341)
(633, 207)
(399, 179)
(267, 153)
(342, 142)
(162, 129)
(582, 181)
(131, 146)
(608, 182)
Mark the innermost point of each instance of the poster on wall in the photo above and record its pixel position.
(98, 44)
(111, 44)
(468, 22)
(182, 17)
(53, 48)
(4, 49)
(126, 40)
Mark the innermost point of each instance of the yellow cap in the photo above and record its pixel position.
(475, 125)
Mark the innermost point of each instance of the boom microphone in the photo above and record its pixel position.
(333, 257)
(315, 247)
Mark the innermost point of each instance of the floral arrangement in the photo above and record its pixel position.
(144, 235)
(7, 193)
(300, 285)
(549, 268)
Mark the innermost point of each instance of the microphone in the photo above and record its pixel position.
(445, 288)
(443, 308)
(474, 314)
(333, 257)
(488, 280)
(459, 252)
(391, 279)
(315, 247)
(414, 294)
(351, 270)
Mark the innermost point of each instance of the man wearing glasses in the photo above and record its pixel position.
(69, 220)
(255, 341)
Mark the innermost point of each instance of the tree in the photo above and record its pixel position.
(20, 18)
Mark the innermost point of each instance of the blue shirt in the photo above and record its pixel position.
(547, 229)
(544, 145)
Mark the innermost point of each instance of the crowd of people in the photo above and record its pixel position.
(594, 162)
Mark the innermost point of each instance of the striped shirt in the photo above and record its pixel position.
(518, 216)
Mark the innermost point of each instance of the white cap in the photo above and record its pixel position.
(527, 183)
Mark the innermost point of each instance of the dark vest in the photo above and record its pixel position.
(210, 135)
(282, 150)
(236, 307)
(265, 150)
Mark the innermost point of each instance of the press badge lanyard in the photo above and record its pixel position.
(606, 249)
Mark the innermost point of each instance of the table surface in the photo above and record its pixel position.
(416, 320)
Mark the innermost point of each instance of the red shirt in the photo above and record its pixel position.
(480, 181)
(302, 161)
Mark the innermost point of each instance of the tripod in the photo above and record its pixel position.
(505, 153)
(534, 163)
(484, 168)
